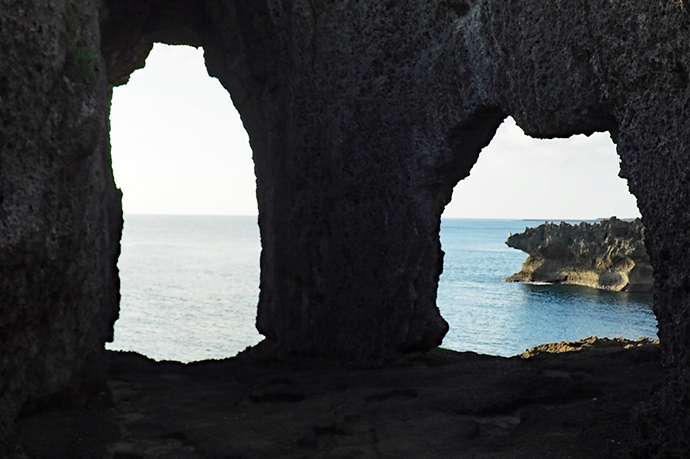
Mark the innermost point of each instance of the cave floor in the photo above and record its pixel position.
(442, 404)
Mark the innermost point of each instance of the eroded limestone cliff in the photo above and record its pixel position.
(608, 255)
(362, 116)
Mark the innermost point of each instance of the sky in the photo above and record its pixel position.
(179, 147)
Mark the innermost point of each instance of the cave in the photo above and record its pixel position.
(362, 117)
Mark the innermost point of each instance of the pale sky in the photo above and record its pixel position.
(179, 147)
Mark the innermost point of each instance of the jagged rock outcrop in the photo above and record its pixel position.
(608, 255)
(592, 342)
(362, 117)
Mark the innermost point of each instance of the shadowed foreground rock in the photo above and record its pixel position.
(441, 405)
(608, 255)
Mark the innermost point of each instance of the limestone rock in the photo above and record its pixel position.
(362, 117)
(608, 255)
(586, 344)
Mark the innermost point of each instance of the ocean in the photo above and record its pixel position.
(190, 285)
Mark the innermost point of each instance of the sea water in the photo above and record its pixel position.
(190, 286)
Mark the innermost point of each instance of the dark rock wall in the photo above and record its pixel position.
(357, 254)
(60, 214)
(653, 145)
(362, 117)
(564, 68)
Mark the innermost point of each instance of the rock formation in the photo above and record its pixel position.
(608, 255)
(362, 117)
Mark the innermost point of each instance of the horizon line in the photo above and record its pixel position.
(163, 214)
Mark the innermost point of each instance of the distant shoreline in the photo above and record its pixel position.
(527, 220)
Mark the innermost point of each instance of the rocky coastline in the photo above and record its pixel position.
(608, 255)
(362, 117)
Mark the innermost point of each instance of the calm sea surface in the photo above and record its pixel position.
(190, 288)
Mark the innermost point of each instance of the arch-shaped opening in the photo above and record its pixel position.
(521, 182)
(189, 265)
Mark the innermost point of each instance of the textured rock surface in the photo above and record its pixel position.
(586, 344)
(440, 405)
(60, 214)
(608, 255)
(362, 116)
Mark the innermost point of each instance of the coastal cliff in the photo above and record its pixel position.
(608, 255)
(362, 118)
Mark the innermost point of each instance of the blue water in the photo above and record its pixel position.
(190, 287)
(491, 316)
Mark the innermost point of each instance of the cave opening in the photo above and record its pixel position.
(189, 267)
(520, 182)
